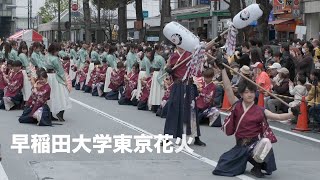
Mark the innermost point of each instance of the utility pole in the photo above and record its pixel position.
(214, 22)
(28, 14)
(69, 20)
(31, 20)
(165, 16)
(100, 33)
(59, 25)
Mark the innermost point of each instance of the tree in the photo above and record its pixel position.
(107, 4)
(264, 20)
(139, 17)
(236, 6)
(165, 16)
(87, 20)
(122, 15)
(108, 20)
(122, 21)
(50, 9)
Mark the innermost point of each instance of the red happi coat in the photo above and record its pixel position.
(3, 84)
(145, 92)
(206, 96)
(83, 74)
(95, 76)
(167, 92)
(15, 84)
(131, 84)
(103, 71)
(116, 79)
(39, 97)
(66, 66)
(177, 58)
(251, 124)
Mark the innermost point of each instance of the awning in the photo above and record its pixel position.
(279, 21)
(17, 35)
(27, 35)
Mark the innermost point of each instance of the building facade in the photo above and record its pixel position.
(7, 18)
(288, 15)
(311, 10)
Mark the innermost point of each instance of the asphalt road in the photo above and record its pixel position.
(297, 157)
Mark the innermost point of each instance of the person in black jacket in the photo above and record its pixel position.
(287, 60)
(244, 58)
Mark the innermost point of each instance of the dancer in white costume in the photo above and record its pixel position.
(112, 64)
(156, 91)
(26, 90)
(59, 99)
(145, 66)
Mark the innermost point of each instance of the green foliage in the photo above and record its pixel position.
(50, 9)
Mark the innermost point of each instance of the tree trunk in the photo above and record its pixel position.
(235, 8)
(122, 21)
(263, 21)
(87, 20)
(139, 17)
(59, 23)
(165, 16)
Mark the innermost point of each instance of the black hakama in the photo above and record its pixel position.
(234, 161)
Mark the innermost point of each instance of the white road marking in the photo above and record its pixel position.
(285, 131)
(192, 154)
(3, 175)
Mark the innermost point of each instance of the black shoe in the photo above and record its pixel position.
(53, 118)
(198, 142)
(60, 116)
(255, 171)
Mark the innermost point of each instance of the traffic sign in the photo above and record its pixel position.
(74, 7)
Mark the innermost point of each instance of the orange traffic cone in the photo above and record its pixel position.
(302, 124)
(226, 106)
(261, 99)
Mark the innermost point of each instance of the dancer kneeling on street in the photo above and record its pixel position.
(36, 109)
(131, 82)
(13, 97)
(248, 122)
(116, 82)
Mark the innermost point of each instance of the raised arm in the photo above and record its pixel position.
(227, 87)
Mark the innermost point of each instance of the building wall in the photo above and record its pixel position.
(311, 18)
(6, 18)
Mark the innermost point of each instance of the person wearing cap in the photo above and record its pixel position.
(273, 72)
(261, 77)
(280, 88)
(13, 95)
